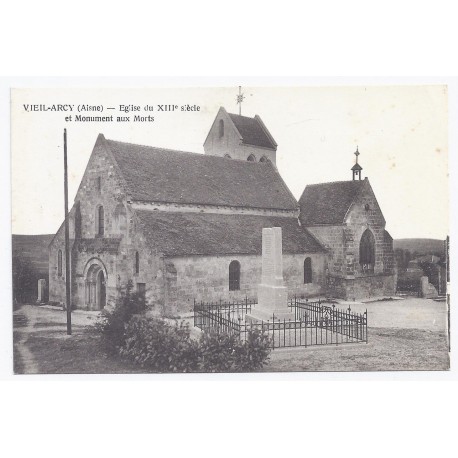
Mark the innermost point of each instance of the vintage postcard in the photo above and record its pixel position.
(230, 229)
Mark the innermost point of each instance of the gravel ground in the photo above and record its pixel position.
(410, 334)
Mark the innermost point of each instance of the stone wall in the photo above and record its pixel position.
(369, 286)
(57, 282)
(365, 214)
(206, 279)
(332, 238)
(230, 143)
(115, 250)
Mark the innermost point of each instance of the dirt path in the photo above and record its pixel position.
(30, 321)
(24, 321)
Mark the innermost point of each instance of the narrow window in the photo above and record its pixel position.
(59, 263)
(308, 270)
(251, 158)
(367, 251)
(99, 184)
(101, 221)
(141, 289)
(78, 221)
(137, 262)
(234, 276)
(221, 128)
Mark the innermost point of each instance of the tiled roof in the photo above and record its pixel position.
(163, 175)
(252, 131)
(185, 234)
(328, 203)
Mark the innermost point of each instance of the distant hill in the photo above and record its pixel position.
(420, 246)
(34, 250)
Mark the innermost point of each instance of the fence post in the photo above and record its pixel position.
(365, 313)
(305, 332)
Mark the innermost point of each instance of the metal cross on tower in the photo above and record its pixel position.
(356, 169)
(240, 98)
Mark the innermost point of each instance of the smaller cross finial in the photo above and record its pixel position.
(356, 169)
(240, 98)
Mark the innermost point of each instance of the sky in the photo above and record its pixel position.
(401, 133)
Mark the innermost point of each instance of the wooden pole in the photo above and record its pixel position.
(67, 243)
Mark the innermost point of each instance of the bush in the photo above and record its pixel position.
(254, 353)
(220, 352)
(112, 324)
(217, 352)
(160, 347)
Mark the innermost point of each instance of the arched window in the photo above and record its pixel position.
(251, 158)
(100, 221)
(367, 251)
(263, 159)
(227, 156)
(221, 128)
(234, 276)
(59, 263)
(308, 270)
(137, 262)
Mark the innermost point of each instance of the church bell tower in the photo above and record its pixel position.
(356, 169)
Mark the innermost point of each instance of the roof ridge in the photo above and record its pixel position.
(333, 182)
(154, 147)
(159, 148)
(241, 116)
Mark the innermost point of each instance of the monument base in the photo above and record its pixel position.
(272, 297)
(272, 302)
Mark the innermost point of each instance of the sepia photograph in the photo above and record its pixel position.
(230, 229)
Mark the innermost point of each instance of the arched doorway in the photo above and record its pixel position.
(96, 295)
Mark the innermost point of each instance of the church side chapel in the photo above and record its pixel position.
(185, 226)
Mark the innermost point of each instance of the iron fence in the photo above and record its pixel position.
(314, 323)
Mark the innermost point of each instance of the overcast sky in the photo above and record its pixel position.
(401, 132)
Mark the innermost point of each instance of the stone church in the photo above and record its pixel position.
(182, 226)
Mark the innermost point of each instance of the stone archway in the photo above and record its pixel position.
(95, 287)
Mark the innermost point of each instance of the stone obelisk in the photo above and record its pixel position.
(272, 293)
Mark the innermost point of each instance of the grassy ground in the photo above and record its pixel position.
(405, 335)
(79, 354)
(41, 345)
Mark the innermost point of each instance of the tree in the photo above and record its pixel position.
(23, 280)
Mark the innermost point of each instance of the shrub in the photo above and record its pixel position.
(220, 352)
(217, 352)
(254, 353)
(111, 325)
(160, 347)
